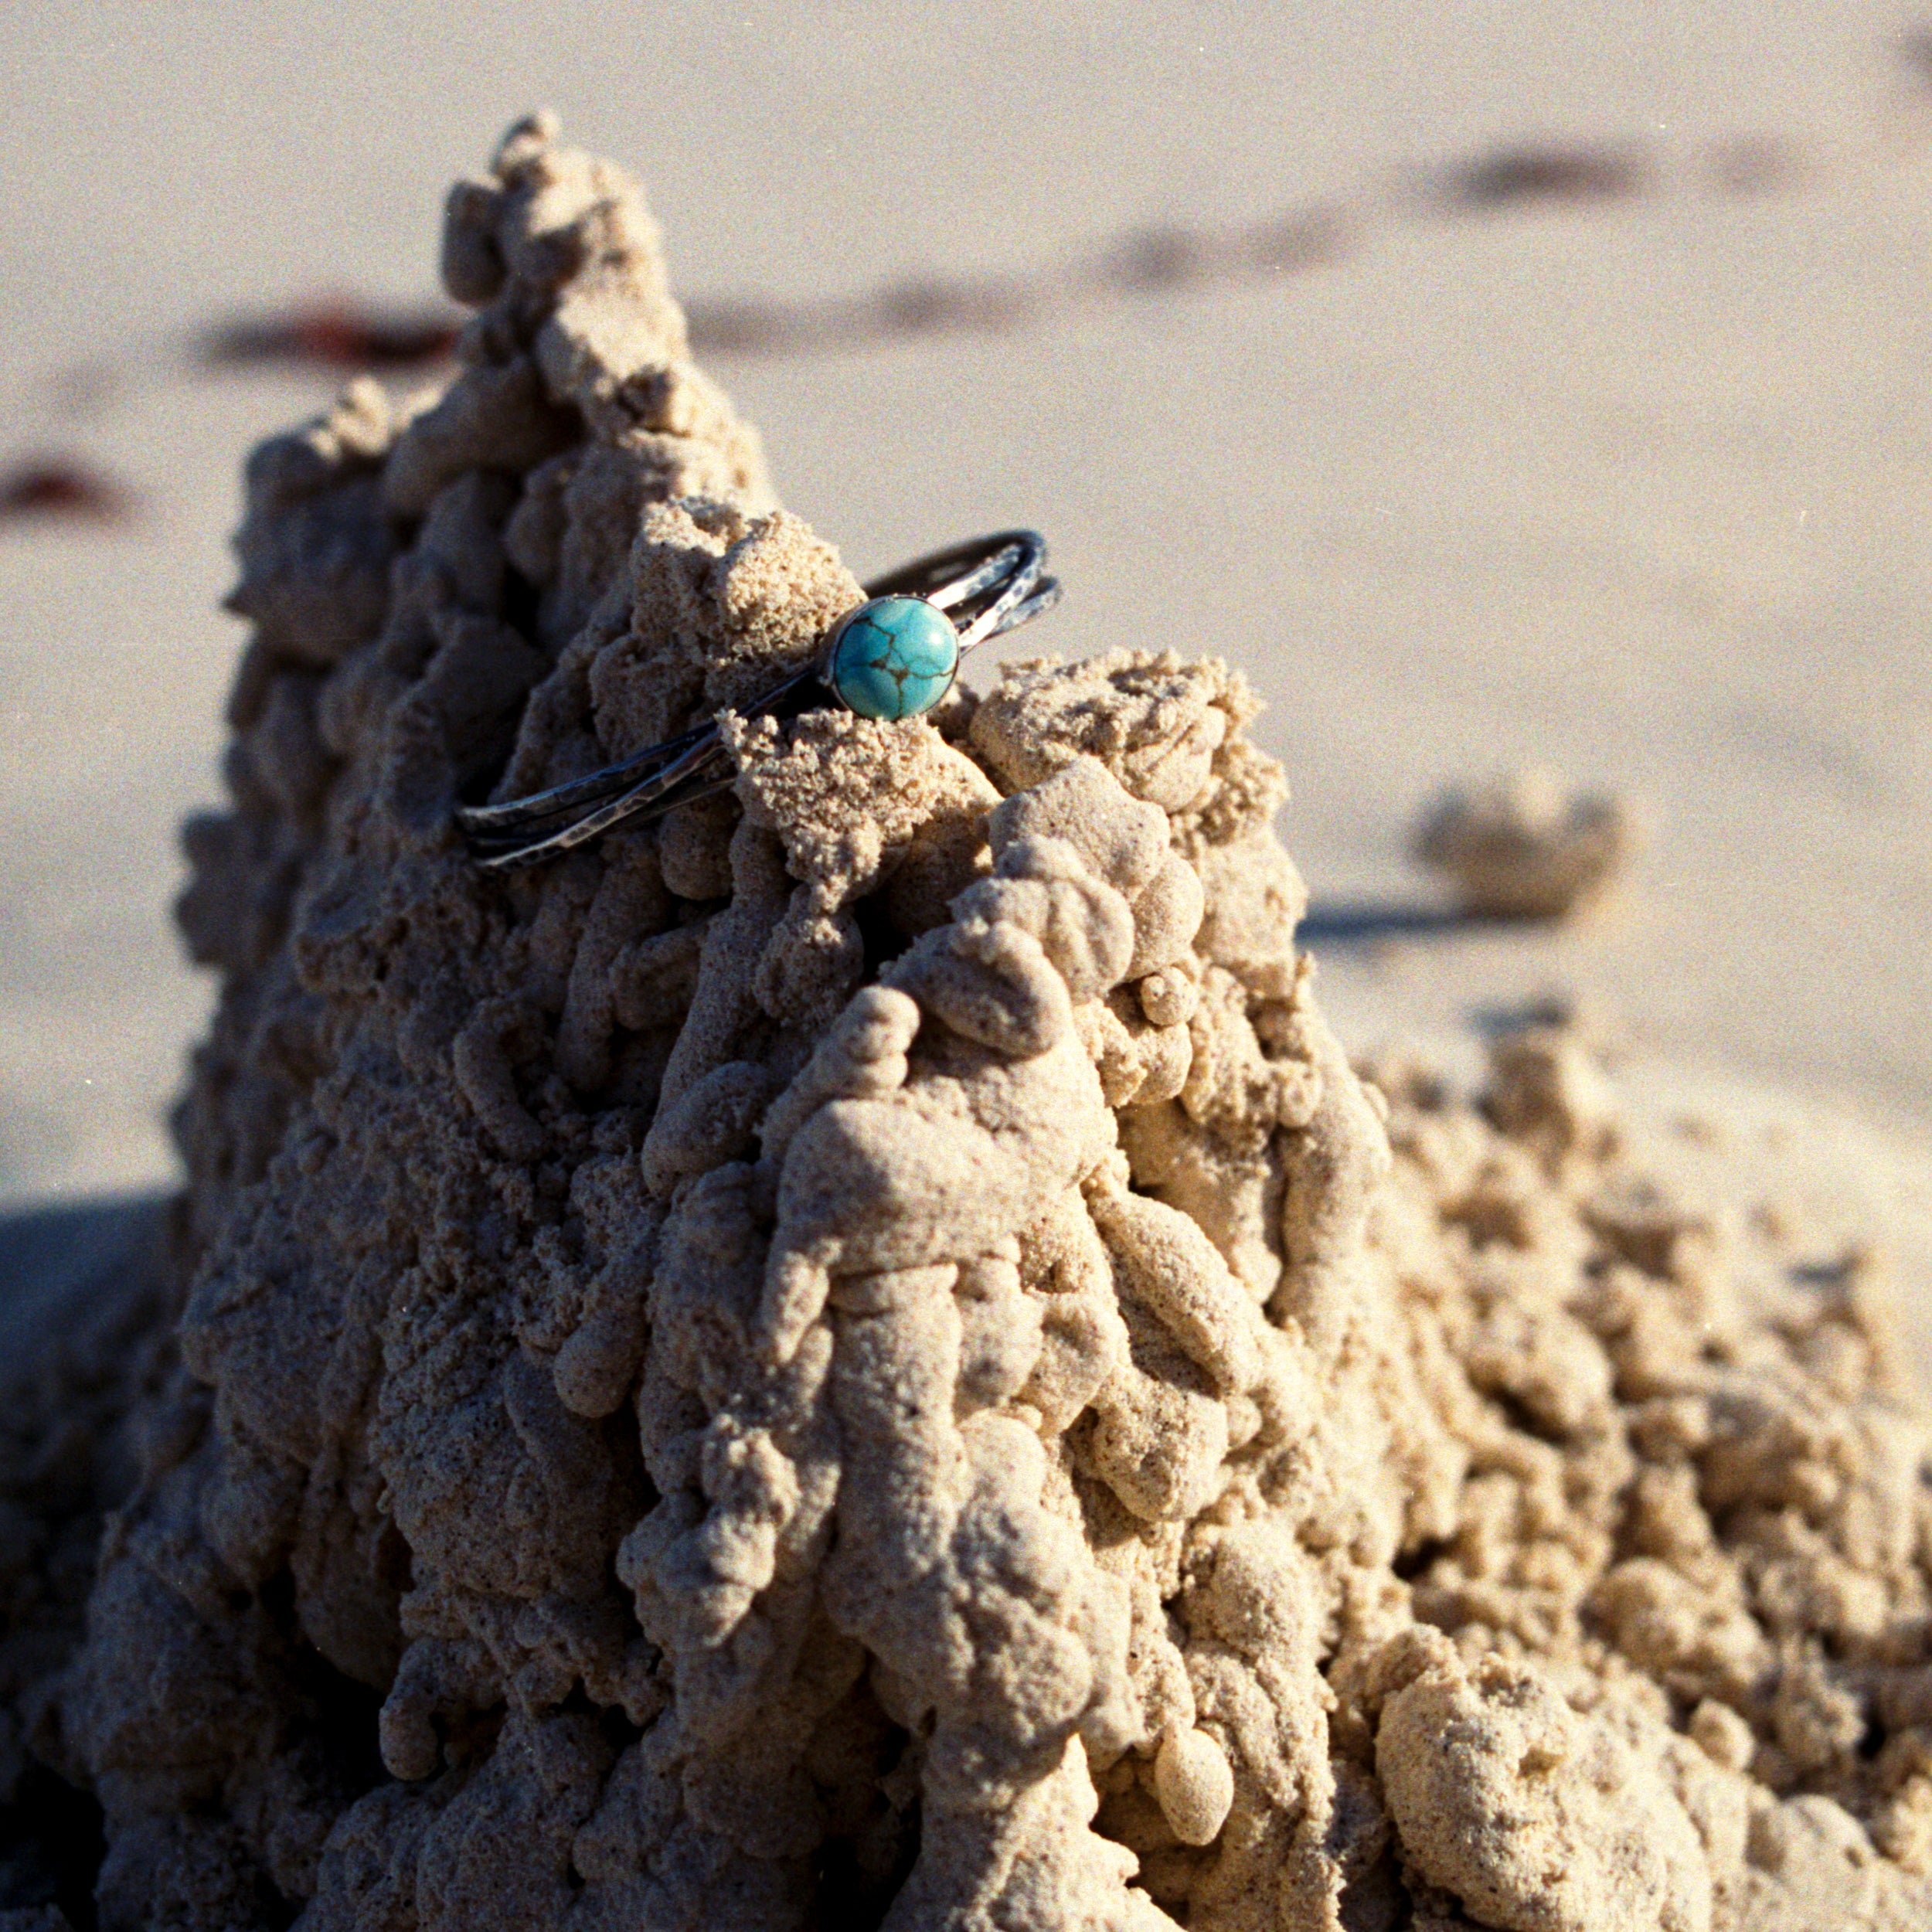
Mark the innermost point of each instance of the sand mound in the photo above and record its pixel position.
(1524, 846)
(859, 1355)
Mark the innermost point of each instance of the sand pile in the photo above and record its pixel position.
(1526, 846)
(859, 1355)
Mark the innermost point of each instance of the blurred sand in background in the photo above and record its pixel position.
(1631, 478)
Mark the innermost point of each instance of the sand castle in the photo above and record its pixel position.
(859, 1356)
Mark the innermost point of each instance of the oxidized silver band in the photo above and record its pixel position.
(982, 588)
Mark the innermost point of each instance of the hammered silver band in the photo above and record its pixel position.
(984, 587)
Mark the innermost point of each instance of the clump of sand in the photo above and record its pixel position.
(1525, 845)
(859, 1355)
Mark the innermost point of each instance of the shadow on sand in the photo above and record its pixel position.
(1330, 922)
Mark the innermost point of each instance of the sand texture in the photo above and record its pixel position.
(861, 1356)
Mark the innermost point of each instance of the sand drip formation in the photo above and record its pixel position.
(858, 1355)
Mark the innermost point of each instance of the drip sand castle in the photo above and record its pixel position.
(859, 1355)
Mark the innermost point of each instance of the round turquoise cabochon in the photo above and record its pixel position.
(894, 657)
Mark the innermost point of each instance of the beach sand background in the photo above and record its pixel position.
(1632, 480)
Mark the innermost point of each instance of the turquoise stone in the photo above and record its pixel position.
(893, 658)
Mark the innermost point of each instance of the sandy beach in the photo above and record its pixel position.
(1632, 485)
(901, 1348)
